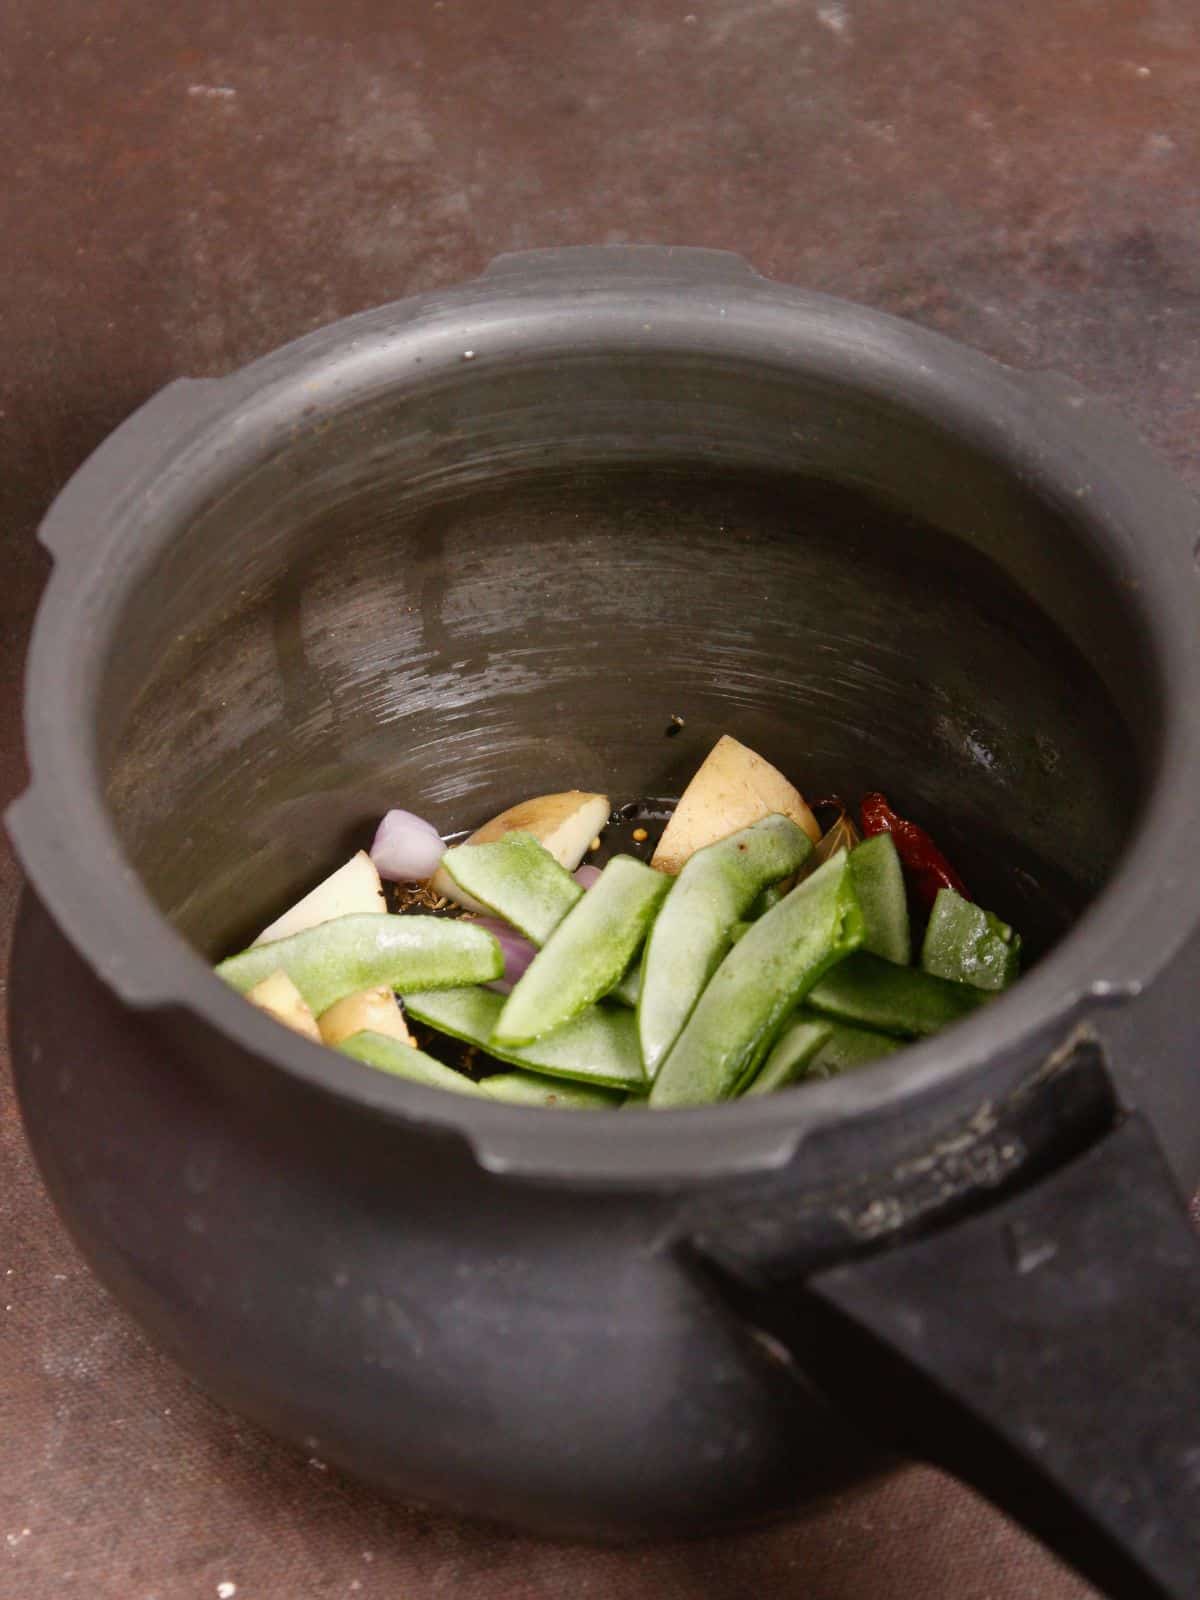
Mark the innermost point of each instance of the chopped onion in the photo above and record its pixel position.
(407, 849)
(514, 947)
(840, 835)
(843, 835)
(586, 874)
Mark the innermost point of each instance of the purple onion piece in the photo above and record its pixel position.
(586, 874)
(514, 947)
(406, 849)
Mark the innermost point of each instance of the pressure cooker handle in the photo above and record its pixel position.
(1046, 1351)
(110, 472)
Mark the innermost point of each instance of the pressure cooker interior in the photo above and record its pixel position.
(511, 582)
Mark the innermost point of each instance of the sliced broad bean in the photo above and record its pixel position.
(872, 993)
(627, 991)
(847, 1048)
(513, 1088)
(879, 884)
(770, 896)
(790, 1054)
(599, 1046)
(402, 1060)
(965, 943)
(587, 954)
(518, 879)
(532, 1089)
(714, 890)
(367, 951)
(813, 1046)
(759, 982)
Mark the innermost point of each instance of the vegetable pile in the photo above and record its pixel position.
(753, 951)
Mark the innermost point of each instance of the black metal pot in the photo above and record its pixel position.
(490, 541)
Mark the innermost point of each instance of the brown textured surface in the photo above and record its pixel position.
(185, 186)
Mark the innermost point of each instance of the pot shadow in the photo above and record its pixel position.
(914, 1533)
(291, 1526)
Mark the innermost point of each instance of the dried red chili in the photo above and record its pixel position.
(927, 867)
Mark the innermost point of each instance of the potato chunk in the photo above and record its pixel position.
(733, 788)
